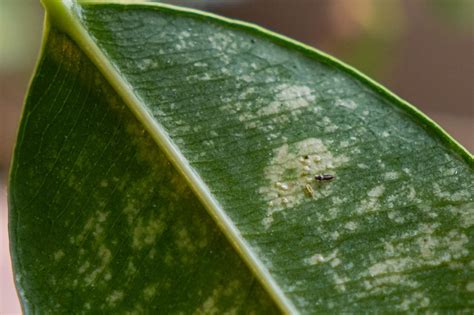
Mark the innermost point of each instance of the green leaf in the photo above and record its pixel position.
(166, 163)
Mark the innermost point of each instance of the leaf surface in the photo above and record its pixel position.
(166, 162)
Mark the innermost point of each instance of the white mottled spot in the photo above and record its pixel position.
(287, 175)
(423, 247)
(396, 216)
(287, 104)
(288, 97)
(340, 282)
(417, 299)
(351, 226)
(319, 258)
(333, 213)
(328, 125)
(376, 191)
(205, 77)
(466, 214)
(344, 144)
(246, 78)
(146, 64)
(391, 175)
(282, 186)
(200, 64)
(337, 201)
(335, 262)
(185, 34)
(346, 103)
(412, 194)
(457, 196)
(389, 249)
(372, 203)
(451, 171)
(335, 235)
(221, 42)
(315, 259)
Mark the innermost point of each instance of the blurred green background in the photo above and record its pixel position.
(420, 49)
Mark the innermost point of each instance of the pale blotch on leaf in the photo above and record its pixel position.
(58, 255)
(115, 297)
(376, 191)
(351, 225)
(146, 64)
(288, 98)
(93, 234)
(104, 183)
(339, 280)
(449, 196)
(396, 216)
(149, 291)
(105, 257)
(292, 167)
(221, 42)
(146, 231)
(288, 103)
(83, 267)
(320, 258)
(131, 268)
(465, 214)
(391, 176)
(350, 104)
(426, 246)
(329, 127)
(184, 241)
(372, 203)
(232, 290)
(470, 287)
(417, 299)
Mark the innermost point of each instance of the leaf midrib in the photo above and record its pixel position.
(63, 14)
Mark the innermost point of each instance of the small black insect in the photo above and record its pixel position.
(323, 177)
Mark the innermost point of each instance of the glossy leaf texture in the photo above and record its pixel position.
(167, 162)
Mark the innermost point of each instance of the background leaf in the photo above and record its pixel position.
(102, 221)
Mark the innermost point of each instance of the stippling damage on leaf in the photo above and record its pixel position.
(256, 118)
